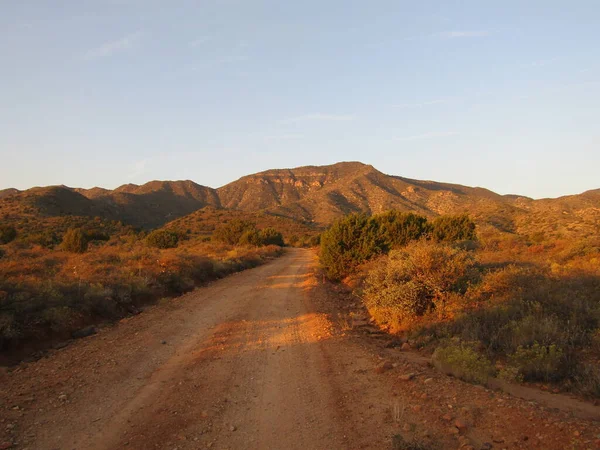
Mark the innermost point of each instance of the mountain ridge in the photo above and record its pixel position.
(314, 194)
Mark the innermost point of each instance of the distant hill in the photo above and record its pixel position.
(150, 205)
(311, 195)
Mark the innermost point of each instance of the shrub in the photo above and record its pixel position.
(538, 362)
(398, 229)
(270, 236)
(349, 242)
(162, 239)
(462, 361)
(231, 233)
(453, 228)
(415, 280)
(7, 233)
(252, 238)
(75, 241)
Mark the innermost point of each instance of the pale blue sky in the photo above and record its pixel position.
(503, 94)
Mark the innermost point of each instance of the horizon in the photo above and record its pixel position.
(289, 168)
(106, 93)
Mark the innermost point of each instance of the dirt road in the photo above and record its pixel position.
(238, 364)
(253, 361)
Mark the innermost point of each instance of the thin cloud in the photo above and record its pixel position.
(225, 60)
(431, 135)
(283, 137)
(436, 101)
(450, 35)
(110, 48)
(462, 34)
(320, 117)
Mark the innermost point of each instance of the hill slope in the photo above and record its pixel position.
(313, 194)
(150, 205)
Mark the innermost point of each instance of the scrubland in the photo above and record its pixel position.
(522, 308)
(47, 292)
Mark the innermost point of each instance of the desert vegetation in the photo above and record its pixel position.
(525, 308)
(98, 270)
(357, 238)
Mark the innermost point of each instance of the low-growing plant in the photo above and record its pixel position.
(413, 281)
(7, 233)
(453, 228)
(538, 362)
(162, 239)
(463, 361)
(270, 236)
(75, 241)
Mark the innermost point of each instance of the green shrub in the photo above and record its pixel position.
(251, 238)
(7, 233)
(398, 229)
(75, 241)
(349, 242)
(270, 236)
(453, 228)
(587, 380)
(231, 232)
(539, 362)
(462, 361)
(162, 239)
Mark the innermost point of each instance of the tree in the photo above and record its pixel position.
(7, 233)
(163, 239)
(75, 241)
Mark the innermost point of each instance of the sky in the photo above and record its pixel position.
(498, 94)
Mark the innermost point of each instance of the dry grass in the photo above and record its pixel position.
(531, 306)
(48, 293)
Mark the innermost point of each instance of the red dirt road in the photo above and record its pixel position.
(254, 361)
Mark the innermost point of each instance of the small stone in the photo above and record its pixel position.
(428, 380)
(416, 408)
(84, 332)
(498, 440)
(63, 397)
(406, 427)
(204, 414)
(384, 367)
(486, 446)
(407, 377)
(461, 425)
(232, 428)
(576, 433)
(164, 342)
(405, 346)
(447, 417)
(453, 430)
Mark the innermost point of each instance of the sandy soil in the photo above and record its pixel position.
(263, 359)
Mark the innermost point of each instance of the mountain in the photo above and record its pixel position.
(320, 194)
(150, 205)
(312, 195)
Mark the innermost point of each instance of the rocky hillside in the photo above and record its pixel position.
(316, 195)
